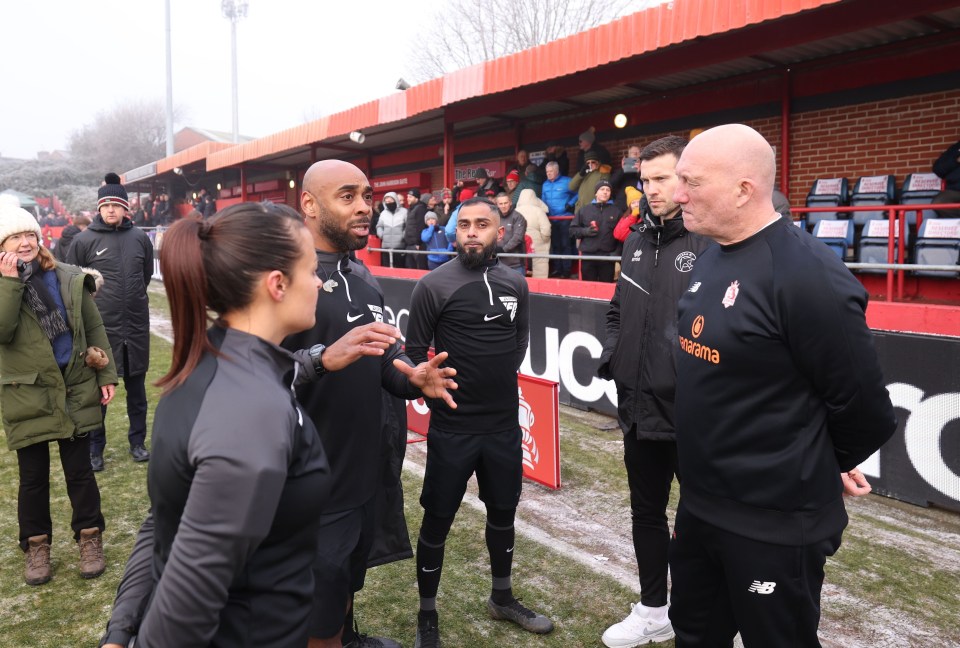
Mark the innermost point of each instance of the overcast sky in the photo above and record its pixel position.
(63, 61)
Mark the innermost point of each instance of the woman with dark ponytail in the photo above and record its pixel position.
(238, 475)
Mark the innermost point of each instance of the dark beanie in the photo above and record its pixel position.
(602, 183)
(112, 192)
(592, 154)
(480, 174)
(415, 193)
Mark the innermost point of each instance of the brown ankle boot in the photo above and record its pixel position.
(92, 563)
(37, 554)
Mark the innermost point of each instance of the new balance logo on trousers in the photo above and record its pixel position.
(765, 587)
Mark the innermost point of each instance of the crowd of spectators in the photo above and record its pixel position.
(538, 200)
(50, 218)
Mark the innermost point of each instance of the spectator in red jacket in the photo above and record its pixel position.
(635, 205)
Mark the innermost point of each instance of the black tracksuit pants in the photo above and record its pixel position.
(724, 583)
(651, 466)
(136, 390)
(597, 270)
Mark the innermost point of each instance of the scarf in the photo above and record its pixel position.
(41, 302)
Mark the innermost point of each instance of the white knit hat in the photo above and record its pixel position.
(14, 220)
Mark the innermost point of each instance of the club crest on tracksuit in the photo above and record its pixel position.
(730, 297)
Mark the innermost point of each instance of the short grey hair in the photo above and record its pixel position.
(553, 165)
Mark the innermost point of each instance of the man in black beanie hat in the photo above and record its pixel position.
(487, 187)
(123, 254)
(593, 226)
(416, 210)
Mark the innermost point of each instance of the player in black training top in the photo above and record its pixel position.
(476, 310)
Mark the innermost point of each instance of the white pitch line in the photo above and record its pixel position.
(531, 532)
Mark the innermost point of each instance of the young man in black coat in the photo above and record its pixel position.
(123, 254)
(655, 269)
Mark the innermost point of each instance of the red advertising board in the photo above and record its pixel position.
(539, 417)
(399, 183)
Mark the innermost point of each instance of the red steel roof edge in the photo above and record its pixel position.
(190, 155)
(661, 26)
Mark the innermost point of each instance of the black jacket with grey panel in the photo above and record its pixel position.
(237, 482)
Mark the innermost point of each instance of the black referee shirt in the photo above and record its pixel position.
(480, 317)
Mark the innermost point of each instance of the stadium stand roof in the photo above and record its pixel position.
(684, 43)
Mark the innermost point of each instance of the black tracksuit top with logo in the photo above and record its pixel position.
(345, 405)
(481, 318)
(779, 388)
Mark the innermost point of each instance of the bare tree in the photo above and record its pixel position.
(472, 32)
(75, 185)
(123, 138)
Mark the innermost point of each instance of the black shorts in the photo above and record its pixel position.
(340, 567)
(497, 459)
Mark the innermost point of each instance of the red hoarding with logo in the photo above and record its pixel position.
(399, 183)
(539, 418)
(468, 172)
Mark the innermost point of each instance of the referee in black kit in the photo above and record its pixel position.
(476, 310)
(344, 401)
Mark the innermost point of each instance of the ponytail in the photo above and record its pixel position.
(215, 264)
(181, 263)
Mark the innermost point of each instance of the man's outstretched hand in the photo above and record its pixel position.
(430, 378)
(367, 340)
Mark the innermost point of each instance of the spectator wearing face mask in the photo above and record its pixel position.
(390, 228)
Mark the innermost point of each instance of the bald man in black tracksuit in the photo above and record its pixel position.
(779, 397)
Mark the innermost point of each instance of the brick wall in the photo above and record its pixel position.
(898, 136)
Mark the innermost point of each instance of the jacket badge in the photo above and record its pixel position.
(684, 261)
(730, 297)
(637, 254)
(510, 303)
